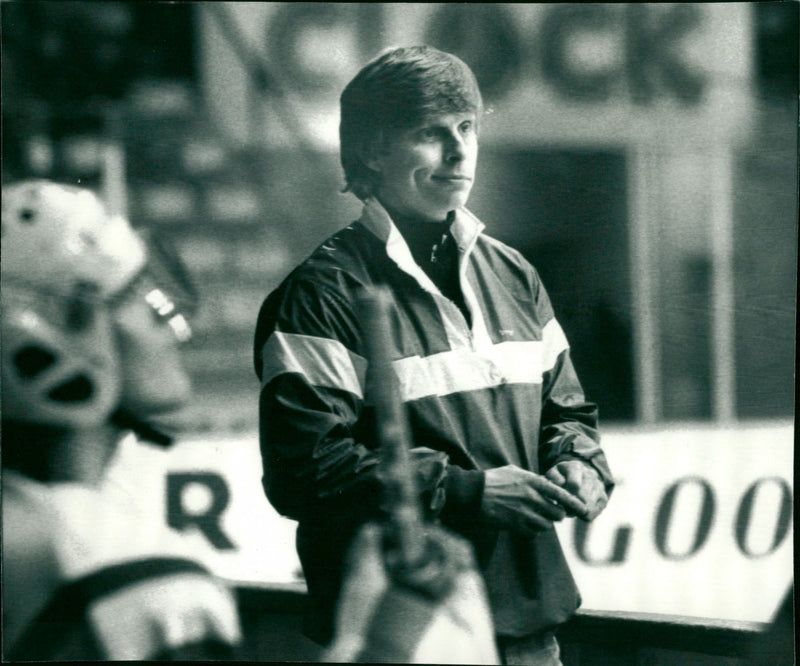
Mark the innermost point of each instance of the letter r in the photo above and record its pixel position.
(209, 521)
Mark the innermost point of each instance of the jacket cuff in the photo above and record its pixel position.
(463, 494)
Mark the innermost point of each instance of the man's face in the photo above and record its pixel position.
(428, 170)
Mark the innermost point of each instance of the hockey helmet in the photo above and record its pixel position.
(65, 259)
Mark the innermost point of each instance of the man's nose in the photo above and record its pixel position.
(455, 148)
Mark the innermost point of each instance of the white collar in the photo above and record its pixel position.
(465, 227)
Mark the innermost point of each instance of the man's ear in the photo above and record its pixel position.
(369, 152)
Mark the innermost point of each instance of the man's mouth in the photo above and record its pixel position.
(452, 178)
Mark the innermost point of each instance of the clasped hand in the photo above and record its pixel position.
(584, 482)
(525, 502)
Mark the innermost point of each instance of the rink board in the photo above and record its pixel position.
(700, 523)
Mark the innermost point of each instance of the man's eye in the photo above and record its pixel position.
(467, 126)
(427, 134)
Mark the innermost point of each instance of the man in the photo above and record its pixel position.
(91, 320)
(505, 442)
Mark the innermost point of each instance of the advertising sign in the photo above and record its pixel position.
(551, 72)
(700, 523)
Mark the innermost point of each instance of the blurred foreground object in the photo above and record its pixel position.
(409, 550)
(381, 620)
(92, 318)
(410, 589)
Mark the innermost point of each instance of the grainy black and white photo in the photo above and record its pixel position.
(457, 333)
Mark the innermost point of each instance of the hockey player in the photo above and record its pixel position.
(92, 317)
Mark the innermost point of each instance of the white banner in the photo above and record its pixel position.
(700, 523)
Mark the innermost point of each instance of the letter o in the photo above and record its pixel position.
(744, 516)
(485, 37)
(664, 518)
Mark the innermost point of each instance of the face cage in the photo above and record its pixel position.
(59, 366)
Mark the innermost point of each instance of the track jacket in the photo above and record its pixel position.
(501, 391)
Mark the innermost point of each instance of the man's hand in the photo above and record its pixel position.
(524, 502)
(584, 482)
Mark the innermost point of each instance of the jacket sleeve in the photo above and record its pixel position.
(569, 423)
(318, 449)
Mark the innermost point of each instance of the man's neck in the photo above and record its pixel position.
(406, 218)
(422, 235)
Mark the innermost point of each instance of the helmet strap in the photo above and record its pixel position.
(127, 421)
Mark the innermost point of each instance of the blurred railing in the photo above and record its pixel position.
(630, 639)
(272, 620)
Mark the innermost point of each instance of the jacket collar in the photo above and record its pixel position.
(465, 230)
